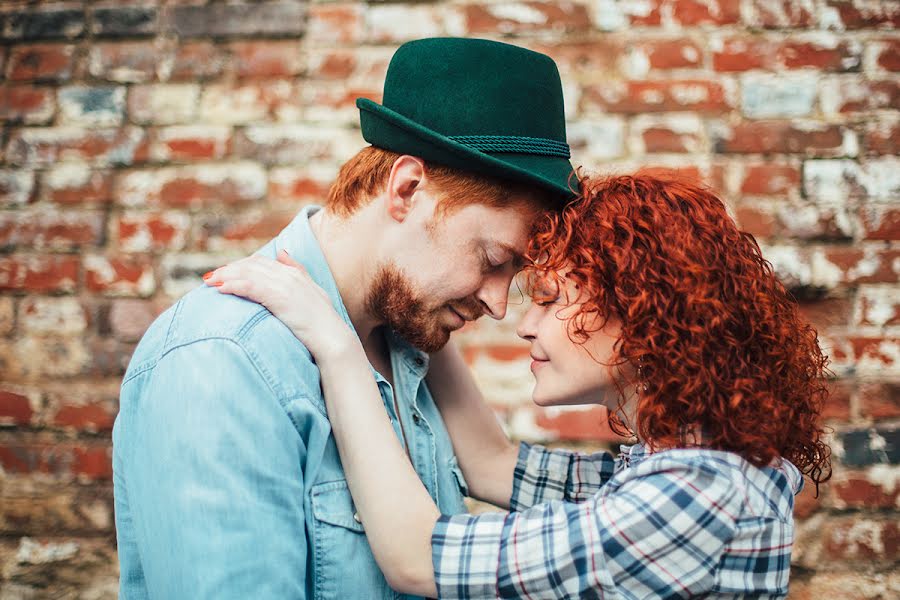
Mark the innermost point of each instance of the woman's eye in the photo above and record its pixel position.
(546, 302)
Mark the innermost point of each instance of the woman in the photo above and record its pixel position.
(647, 299)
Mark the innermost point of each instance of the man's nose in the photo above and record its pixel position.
(493, 297)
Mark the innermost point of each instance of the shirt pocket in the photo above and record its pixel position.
(344, 566)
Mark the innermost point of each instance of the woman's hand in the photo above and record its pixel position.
(285, 288)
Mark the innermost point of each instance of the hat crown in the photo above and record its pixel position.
(466, 87)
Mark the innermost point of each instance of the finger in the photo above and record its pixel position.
(238, 287)
(286, 259)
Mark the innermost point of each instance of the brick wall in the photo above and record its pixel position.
(144, 142)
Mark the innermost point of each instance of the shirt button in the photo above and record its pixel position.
(420, 361)
(416, 418)
(356, 517)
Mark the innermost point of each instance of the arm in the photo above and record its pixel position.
(213, 472)
(486, 456)
(660, 535)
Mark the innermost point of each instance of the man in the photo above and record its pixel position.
(227, 481)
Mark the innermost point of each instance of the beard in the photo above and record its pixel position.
(392, 300)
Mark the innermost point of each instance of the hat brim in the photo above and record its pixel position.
(390, 130)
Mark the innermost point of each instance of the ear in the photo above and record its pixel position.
(407, 176)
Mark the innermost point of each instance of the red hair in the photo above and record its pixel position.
(714, 341)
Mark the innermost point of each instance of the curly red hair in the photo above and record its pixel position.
(713, 339)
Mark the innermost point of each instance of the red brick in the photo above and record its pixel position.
(806, 503)
(15, 409)
(872, 489)
(770, 179)
(90, 417)
(51, 62)
(146, 232)
(129, 62)
(862, 541)
(42, 315)
(129, 318)
(761, 137)
(797, 55)
(827, 312)
(26, 104)
(16, 187)
(333, 64)
(254, 59)
(248, 230)
(193, 186)
(119, 276)
(75, 184)
(197, 61)
(635, 97)
(882, 138)
(576, 58)
(663, 139)
(39, 273)
(879, 400)
(300, 186)
(837, 405)
(50, 230)
(589, 424)
(865, 266)
(706, 12)
(756, 220)
(880, 222)
(46, 146)
(93, 463)
(492, 18)
(862, 14)
(742, 54)
(672, 54)
(335, 23)
(63, 460)
(191, 143)
(776, 14)
(854, 96)
(888, 54)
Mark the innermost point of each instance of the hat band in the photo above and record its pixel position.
(513, 143)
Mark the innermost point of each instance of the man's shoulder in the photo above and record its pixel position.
(206, 316)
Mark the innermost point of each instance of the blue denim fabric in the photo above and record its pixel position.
(227, 480)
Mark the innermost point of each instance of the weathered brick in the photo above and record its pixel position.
(597, 139)
(42, 146)
(42, 229)
(872, 488)
(669, 133)
(366, 67)
(89, 406)
(255, 59)
(273, 144)
(45, 62)
(129, 318)
(882, 137)
(862, 540)
(883, 55)
(334, 102)
(163, 104)
(50, 22)
(16, 187)
(124, 21)
(190, 143)
(65, 460)
(880, 222)
(826, 268)
(635, 97)
(119, 275)
(128, 62)
(7, 315)
(861, 14)
(17, 405)
(676, 53)
(42, 315)
(197, 61)
(747, 53)
(36, 358)
(576, 423)
(245, 103)
(301, 185)
(27, 104)
(757, 220)
(515, 18)
(76, 184)
(193, 186)
(852, 585)
(91, 106)
(269, 19)
(778, 14)
(151, 232)
(248, 231)
(335, 24)
(788, 137)
(700, 12)
(841, 179)
(770, 179)
(847, 95)
(39, 273)
(180, 273)
(770, 96)
(37, 507)
(879, 400)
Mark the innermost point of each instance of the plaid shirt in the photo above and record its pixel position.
(672, 524)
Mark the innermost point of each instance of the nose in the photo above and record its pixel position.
(527, 329)
(494, 295)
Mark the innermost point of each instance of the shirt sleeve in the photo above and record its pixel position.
(660, 534)
(543, 475)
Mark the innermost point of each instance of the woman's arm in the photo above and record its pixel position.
(378, 472)
(486, 456)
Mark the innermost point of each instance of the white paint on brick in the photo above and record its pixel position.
(36, 553)
(518, 13)
(71, 107)
(64, 315)
(690, 94)
(610, 15)
(68, 175)
(133, 189)
(16, 186)
(394, 22)
(635, 64)
(596, 139)
(830, 18)
(503, 383)
(832, 180)
(791, 266)
(884, 361)
(165, 104)
(523, 426)
(769, 96)
(249, 178)
(883, 178)
(181, 272)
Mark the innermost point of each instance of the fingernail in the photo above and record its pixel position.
(207, 275)
(217, 284)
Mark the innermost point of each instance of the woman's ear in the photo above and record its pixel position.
(407, 176)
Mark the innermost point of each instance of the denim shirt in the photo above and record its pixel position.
(227, 480)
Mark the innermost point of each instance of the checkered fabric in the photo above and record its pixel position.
(671, 524)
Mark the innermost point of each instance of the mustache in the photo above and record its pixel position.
(468, 308)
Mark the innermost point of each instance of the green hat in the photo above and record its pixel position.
(475, 105)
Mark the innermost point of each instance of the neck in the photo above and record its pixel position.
(339, 239)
